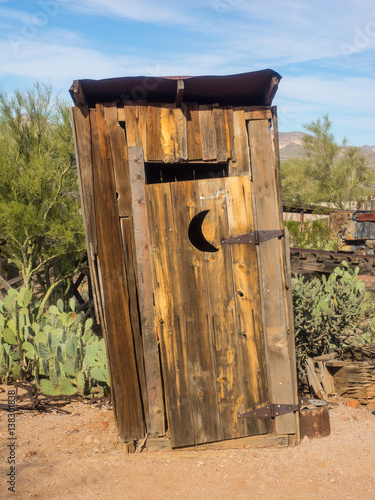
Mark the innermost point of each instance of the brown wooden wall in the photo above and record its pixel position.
(112, 145)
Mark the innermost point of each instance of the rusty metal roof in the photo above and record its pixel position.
(256, 88)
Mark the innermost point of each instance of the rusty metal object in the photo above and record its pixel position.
(337, 220)
(314, 421)
(355, 231)
(254, 237)
(313, 416)
(368, 216)
(272, 410)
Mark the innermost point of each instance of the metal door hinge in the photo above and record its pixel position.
(274, 410)
(254, 237)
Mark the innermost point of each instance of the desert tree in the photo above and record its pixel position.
(328, 172)
(40, 221)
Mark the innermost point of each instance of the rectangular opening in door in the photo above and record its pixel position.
(157, 173)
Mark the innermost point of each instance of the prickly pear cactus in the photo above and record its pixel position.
(58, 348)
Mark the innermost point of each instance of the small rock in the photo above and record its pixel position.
(30, 453)
(353, 403)
(345, 419)
(104, 424)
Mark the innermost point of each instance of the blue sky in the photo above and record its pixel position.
(324, 50)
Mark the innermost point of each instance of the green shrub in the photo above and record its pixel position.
(331, 312)
(57, 348)
(311, 234)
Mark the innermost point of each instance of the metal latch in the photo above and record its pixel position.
(274, 410)
(254, 237)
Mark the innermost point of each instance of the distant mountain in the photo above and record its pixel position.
(291, 146)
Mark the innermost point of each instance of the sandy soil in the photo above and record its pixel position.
(78, 455)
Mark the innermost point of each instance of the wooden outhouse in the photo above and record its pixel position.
(189, 261)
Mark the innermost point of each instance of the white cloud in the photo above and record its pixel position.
(156, 11)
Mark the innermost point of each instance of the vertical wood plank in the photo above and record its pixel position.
(127, 233)
(154, 138)
(168, 133)
(145, 293)
(135, 116)
(169, 314)
(229, 126)
(81, 123)
(247, 302)
(208, 132)
(181, 141)
(241, 143)
(82, 144)
(222, 134)
(120, 160)
(193, 131)
(220, 291)
(120, 345)
(286, 263)
(266, 200)
(201, 362)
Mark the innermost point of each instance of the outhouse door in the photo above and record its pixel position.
(207, 308)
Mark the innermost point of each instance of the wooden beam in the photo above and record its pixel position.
(180, 93)
(78, 95)
(272, 272)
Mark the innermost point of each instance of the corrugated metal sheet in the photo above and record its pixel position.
(247, 89)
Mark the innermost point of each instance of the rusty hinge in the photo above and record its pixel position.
(254, 237)
(274, 410)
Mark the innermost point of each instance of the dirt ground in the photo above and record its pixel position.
(77, 455)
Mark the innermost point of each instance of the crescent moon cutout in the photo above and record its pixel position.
(196, 236)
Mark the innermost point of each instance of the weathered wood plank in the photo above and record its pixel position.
(229, 127)
(154, 137)
(169, 313)
(208, 132)
(134, 114)
(287, 282)
(263, 441)
(222, 137)
(265, 200)
(201, 362)
(284, 248)
(81, 123)
(82, 145)
(120, 160)
(222, 315)
(241, 143)
(251, 347)
(193, 131)
(259, 114)
(181, 139)
(145, 293)
(127, 233)
(168, 133)
(120, 345)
